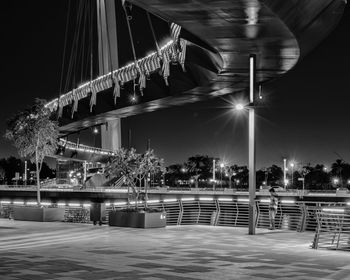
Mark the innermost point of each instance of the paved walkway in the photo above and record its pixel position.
(61, 251)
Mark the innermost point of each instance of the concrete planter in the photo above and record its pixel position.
(137, 220)
(38, 214)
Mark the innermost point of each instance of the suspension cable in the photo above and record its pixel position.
(77, 45)
(130, 35)
(74, 47)
(91, 39)
(63, 56)
(153, 33)
(86, 11)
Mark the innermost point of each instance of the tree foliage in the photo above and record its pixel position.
(34, 133)
(134, 167)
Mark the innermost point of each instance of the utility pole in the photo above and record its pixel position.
(285, 173)
(214, 174)
(25, 172)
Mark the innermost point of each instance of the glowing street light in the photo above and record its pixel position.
(95, 131)
(239, 106)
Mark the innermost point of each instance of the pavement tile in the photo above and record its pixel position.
(62, 251)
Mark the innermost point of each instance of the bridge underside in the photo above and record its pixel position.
(220, 35)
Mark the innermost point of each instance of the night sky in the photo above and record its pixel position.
(305, 117)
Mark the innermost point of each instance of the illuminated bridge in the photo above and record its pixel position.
(213, 47)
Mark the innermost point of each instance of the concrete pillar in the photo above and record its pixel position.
(110, 135)
(108, 61)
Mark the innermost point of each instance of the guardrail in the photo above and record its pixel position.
(333, 230)
(222, 211)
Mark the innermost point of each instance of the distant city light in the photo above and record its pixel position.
(95, 131)
(335, 181)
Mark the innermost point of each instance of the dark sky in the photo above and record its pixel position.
(306, 114)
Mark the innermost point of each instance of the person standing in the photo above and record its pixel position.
(273, 207)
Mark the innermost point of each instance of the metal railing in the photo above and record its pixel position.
(291, 215)
(333, 230)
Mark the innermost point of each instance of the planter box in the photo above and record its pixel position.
(38, 214)
(137, 220)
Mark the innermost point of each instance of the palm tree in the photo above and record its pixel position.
(336, 170)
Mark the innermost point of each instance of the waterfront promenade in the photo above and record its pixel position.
(62, 251)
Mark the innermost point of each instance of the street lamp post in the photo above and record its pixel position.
(213, 174)
(285, 173)
(221, 167)
(251, 144)
(251, 151)
(292, 166)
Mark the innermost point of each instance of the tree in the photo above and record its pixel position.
(173, 173)
(200, 165)
(11, 165)
(231, 171)
(274, 175)
(315, 177)
(133, 167)
(34, 133)
(242, 175)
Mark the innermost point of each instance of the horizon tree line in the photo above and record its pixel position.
(197, 171)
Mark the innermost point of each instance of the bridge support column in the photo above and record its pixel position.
(252, 160)
(111, 135)
(108, 61)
